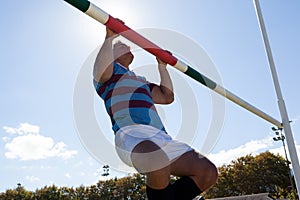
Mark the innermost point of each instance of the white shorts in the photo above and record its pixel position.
(128, 137)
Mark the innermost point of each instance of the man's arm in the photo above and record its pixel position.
(103, 67)
(163, 94)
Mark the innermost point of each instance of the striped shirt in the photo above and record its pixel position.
(128, 100)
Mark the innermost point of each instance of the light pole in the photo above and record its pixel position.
(105, 170)
(280, 136)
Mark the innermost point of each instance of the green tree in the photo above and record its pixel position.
(265, 172)
(81, 192)
(130, 187)
(48, 192)
(9, 194)
(17, 194)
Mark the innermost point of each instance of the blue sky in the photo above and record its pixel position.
(44, 47)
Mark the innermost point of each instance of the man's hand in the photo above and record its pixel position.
(162, 64)
(110, 33)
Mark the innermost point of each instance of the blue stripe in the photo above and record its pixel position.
(137, 116)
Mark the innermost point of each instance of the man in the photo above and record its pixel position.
(140, 137)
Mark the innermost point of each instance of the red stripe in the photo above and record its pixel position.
(126, 90)
(141, 41)
(140, 104)
(115, 78)
(130, 104)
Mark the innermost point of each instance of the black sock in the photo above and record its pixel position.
(163, 194)
(185, 188)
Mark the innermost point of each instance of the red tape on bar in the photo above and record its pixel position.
(141, 41)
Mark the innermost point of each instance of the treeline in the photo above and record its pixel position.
(263, 173)
(130, 188)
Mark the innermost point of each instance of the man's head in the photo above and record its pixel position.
(122, 54)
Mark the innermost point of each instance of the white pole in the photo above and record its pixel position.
(282, 108)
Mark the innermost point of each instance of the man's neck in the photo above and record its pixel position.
(125, 66)
(122, 65)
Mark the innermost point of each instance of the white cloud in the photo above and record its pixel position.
(68, 175)
(27, 167)
(32, 178)
(253, 147)
(23, 128)
(30, 145)
(5, 139)
(280, 151)
(46, 167)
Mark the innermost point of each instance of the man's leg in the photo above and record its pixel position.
(197, 175)
(150, 160)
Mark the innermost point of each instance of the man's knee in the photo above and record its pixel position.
(212, 174)
(206, 177)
